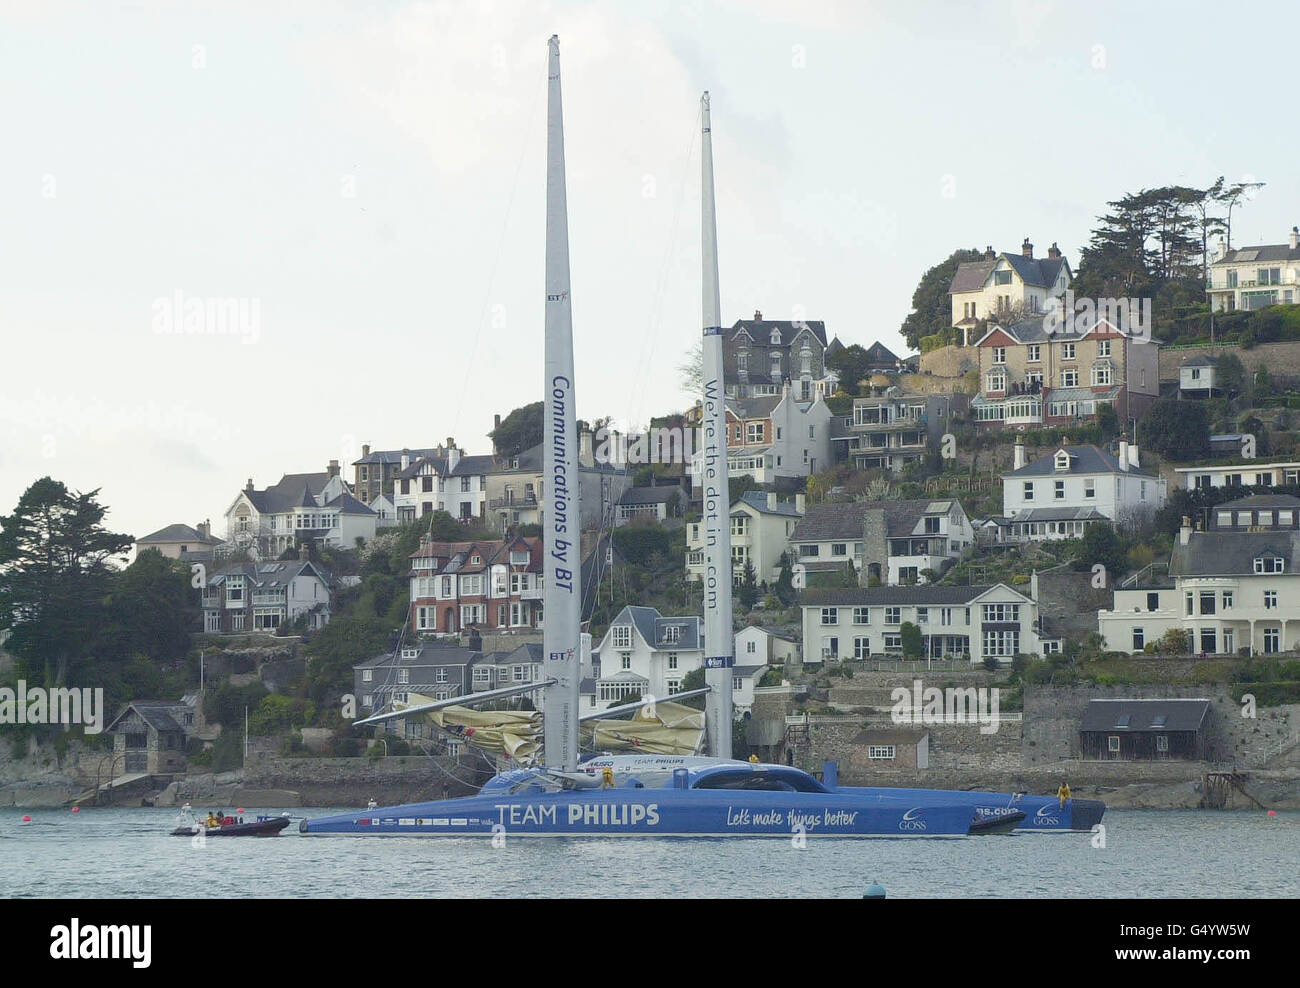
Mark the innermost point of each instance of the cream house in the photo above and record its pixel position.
(644, 653)
(761, 525)
(1233, 587)
(302, 507)
(1256, 277)
(1001, 286)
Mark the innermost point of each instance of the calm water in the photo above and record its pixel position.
(127, 853)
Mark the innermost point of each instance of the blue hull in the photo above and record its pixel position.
(626, 812)
(1042, 813)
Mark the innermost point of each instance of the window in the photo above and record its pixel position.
(862, 615)
(1059, 490)
(1272, 641)
(1139, 639)
(1112, 744)
(1227, 600)
(1101, 375)
(1103, 348)
(861, 648)
(830, 648)
(893, 615)
(999, 355)
(1270, 600)
(839, 548)
(750, 647)
(1269, 564)
(923, 615)
(625, 660)
(1001, 613)
(1001, 277)
(1069, 378)
(1209, 642)
(367, 675)
(1033, 352)
(622, 636)
(1153, 601)
(1090, 488)
(1190, 601)
(738, 525)
(1067, 351)
(1162, 742)
(403, 676)
(880, 751)
(753, 432)
(1208, 601)
(1029, 490)
(672, 634)
(996, 380)
(809, 551)
(672, 659)
(945, 616)
(1001, 643)
(893, 643)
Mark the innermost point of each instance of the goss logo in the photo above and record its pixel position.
(910, 823)
(1046, 817)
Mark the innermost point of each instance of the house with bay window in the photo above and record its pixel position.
(962, 621)
(773, 437)
(644, 653)
(445, 480)
(261, 596)
(494, 585)
(760, 356)
(1256, 277)
(1000, 286)
(1232, 587)
(426, 669)
(301, 508)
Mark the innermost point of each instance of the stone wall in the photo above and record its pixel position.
(950, 361)
(1280, 358)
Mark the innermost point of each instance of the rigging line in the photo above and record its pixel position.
(496, 263)
(656, 309)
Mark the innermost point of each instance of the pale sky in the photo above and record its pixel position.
(368, 178)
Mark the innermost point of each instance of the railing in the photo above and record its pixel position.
(522, 503)
(531, 593)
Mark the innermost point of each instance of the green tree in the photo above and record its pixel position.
(852, 364)
(55, 574)
(747, 591)
(1102, 544)
(1177, 430)
(345, 641)
(693, 680)
(785, 580)
(1230, 374)
(931, 304)
(518, 431)
(152, 609)
(913, 644)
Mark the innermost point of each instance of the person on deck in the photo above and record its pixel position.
(1063, 794)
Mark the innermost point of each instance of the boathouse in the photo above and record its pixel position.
(150, 737)
(1145, 730)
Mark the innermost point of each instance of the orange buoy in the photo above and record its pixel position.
(1272, 812)
(76, 809)
(27, 818)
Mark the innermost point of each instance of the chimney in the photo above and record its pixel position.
(1018, 452)
(202, 529)
(1027, 249)
(333, 468)
(365, 450)
(771, 500)
(1295, 237)
(1185, 533)
(799, 501)
(586, 457)
(1123, 451)
(249, 486)
(406, 458)
(453, 454)
(1133, 456)
(1054, 252)
(496, 421)
(1223, 247)
(304, 552)
(758, 316)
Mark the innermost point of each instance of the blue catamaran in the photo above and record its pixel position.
(658, 795)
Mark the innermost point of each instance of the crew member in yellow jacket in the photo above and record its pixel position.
(1063, 794)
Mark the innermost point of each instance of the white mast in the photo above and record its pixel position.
(719, 646)
(562, 532)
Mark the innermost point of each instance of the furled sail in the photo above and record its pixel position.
(662, 728)
(517, 733)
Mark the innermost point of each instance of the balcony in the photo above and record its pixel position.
(517, 503)
(531, 593)
(269, 599)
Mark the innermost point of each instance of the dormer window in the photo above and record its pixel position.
(622, 636)
(775, 337)
(1269, 564)
(1062, 461)
(410, 653)
(672, 634)
(475, 560)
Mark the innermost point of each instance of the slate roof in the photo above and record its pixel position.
(1233, 553)
(758, 501)
(889, 735)
(927, 594)
(753, 408)
(843, 520)
(1199, 361)
(1039, 272)
(649, 495)
(1054, 514)
(271, 573)
(1119, 716)
(428, 654)
(761, 330)
(179, 533)
(392, 455)
(348, 505)
(651, 624)
(292, 490)
(745, 671)
(1259, 252)
(1083, 460)
(1260, 501)
(156, 714)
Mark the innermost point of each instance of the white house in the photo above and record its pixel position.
(744, 678)
(450, 482)
(761, 526)
(645, 653)
(1235, 586)
(1058, 495)
(767, 646)
(247, 597)
(654, 503)
(1251, 474)
(894, 542)
(1196, 377)
(1255, 277)
(773, 437)
(302, 507)
(974, 621)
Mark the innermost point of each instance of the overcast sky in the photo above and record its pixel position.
(368, 180)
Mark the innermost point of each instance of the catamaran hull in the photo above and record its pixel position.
(1043, 814)
(654, 813)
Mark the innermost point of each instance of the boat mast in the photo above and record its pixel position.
(719, 646)
(562, 522)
